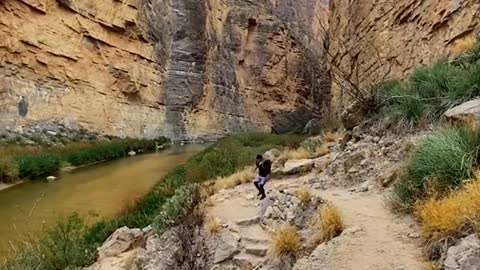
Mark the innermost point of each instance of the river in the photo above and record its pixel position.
(98, 191)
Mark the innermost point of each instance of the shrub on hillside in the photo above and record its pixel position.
(34, 166)
(441, 162)
(430, 91)
(450, 215)
(177, 207)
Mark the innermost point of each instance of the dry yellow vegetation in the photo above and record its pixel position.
(214, 225)
(446, 216)
(330, 136)
(242, 177)
(304, 196)
(285, 241)
(305, 153)
(462, 46)
(331, 223)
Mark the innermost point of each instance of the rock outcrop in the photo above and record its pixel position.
(144, 68)
(373, 40)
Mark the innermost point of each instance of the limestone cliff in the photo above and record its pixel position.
(374, 39)
(143, 68)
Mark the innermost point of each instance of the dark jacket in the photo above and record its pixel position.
(264, 167)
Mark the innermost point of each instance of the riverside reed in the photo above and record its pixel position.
(32, 162)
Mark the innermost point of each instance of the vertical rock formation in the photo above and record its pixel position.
(184, 69)
(372, 38)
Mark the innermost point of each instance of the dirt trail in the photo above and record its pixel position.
(374, 237)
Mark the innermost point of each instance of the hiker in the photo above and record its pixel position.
(264, 167)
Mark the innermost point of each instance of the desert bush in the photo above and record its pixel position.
(214, 225)
(34, 166)
(331, 223)
(443, 161)
(285, 241)
(451, 215)
(304, 196)
(8, 170)
(177, 207)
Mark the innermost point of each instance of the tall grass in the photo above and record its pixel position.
(430, 91)
(30, 162)
(167, 203)
(442, 162)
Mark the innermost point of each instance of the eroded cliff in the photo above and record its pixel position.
(372, 40)
(183, 69)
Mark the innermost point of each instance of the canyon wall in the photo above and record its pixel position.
(375, 40)
(143, 68)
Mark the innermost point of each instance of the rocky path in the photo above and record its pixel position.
(374, 238)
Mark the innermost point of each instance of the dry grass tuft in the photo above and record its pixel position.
(242, 177)
(330, 136)
(447, 216)
(432, 266)
(214, 225)
(463, 45)
(304, 153)
(304, 196)
(285, 241)
(331, 223)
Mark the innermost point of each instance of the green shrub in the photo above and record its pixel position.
(175, 208)
(97, 153)
(59, 247)
(441, 162)
(34, 166)
(430, 91)
(8, 170)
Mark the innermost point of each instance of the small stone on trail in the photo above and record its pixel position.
(248, 221)
(414, 235)
(351, 230)
(257, 251)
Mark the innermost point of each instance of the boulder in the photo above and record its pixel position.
(272, 154)
(227, 246)
(353, 160)
(51, 178)
(259, 251)
(124, 261)
(469, 110)
(248, 221)
(120, 241)
(465, 255)
(298, 166)
(353, 115)
(313, 126)
(132, 153)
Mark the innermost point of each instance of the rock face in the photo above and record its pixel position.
(144, 68)
(465, 255)
(373, 40)
(467, 111)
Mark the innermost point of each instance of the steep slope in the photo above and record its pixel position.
(184, 69)
(372, 40)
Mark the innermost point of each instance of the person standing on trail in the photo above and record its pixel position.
(264, 168)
